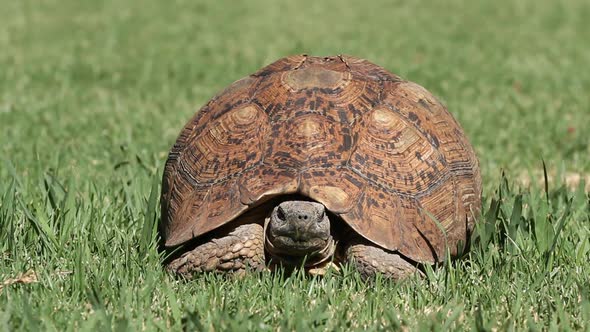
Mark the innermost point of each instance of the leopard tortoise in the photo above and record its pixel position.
(319, 159)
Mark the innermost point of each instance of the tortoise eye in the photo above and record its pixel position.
(281, 214)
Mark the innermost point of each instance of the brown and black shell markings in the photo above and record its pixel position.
(378, 151)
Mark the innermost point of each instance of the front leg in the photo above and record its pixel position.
(240, 249)
(370, 260)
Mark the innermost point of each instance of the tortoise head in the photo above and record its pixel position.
(299, 229)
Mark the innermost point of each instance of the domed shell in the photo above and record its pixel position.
(378, 151)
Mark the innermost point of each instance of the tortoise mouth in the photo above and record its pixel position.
(283, 244)
(309, 252)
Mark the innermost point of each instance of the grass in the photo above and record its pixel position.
(93, 94)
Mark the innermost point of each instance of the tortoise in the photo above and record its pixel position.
(319, 159)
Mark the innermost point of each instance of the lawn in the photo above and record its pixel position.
(93, 94)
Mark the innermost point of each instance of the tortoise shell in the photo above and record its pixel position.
(378, 151)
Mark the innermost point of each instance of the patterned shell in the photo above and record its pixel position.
(378, 151)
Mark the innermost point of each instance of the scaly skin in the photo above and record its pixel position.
(370, 260)
(239, 250)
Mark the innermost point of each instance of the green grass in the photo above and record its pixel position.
(93, 94)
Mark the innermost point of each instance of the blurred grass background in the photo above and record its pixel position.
(93, 94)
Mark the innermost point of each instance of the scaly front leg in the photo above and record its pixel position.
(370, 260)
(241, 249)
